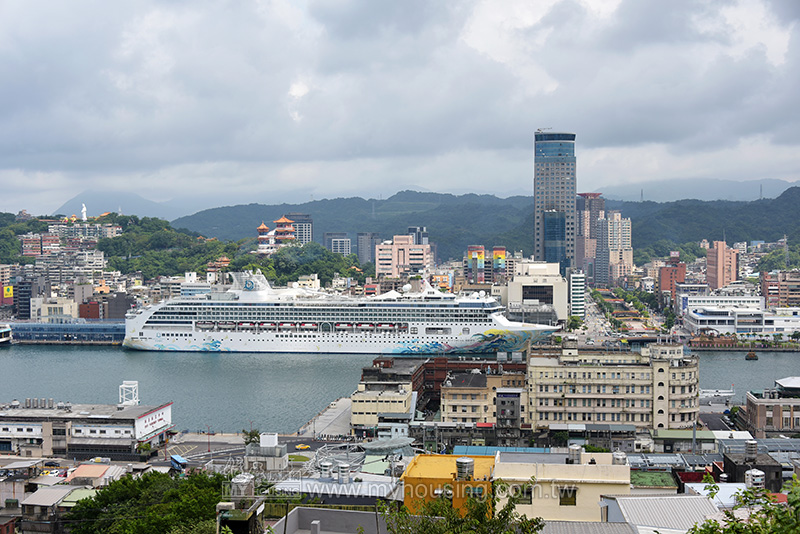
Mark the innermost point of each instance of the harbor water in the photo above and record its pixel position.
(224, 391)
(274, 392)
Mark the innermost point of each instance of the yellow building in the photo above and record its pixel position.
(374, 398)
(473, 398)
(433, 476)
(562, 491)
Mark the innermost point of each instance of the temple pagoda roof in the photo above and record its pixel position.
(263, 227)
(283, 220)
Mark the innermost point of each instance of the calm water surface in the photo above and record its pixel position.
(277, 392)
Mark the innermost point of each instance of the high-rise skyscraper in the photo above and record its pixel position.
(588, 209)
(554, 198)
(721, 265)
(614, 252)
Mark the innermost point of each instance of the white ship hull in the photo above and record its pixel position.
(254, 318)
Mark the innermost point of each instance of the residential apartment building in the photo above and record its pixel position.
(366, 243)
(589, 208)
(671, 274)
(341, 246)
(781, 288)
(567, 487)
(481, 267)
(554, 189)
(303, 227)
(329, 237)
(401, 256)
(475, 397)
(614, 251)
(721, 265)
(577, 294)
(656, 388)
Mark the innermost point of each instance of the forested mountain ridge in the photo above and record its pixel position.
(455, 222)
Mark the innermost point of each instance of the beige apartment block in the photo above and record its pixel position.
(562, 491)
(481, 398)
(373, 398)
(657, 388)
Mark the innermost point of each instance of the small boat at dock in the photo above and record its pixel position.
(751, 356)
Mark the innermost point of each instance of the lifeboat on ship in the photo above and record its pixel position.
(266, 326)
(247, 326)
(386, 326)
(366, 326)
(343, 326)
(308, 326)
(225, 325)
(286, 326)
(204, 325)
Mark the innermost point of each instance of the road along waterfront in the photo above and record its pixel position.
(276, 392)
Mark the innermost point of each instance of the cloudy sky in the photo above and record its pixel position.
(271, 101)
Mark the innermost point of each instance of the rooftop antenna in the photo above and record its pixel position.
(761, 192)
(641, 197)
(540, 130)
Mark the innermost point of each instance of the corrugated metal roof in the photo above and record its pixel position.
(587, 527)
(48, 496)
(678, 512)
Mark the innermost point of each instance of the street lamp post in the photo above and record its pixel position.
(208, 435)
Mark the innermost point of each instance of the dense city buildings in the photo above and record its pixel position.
(781, 288)
(402, 256)
(614, 251)
(721, 265)
(656, 388)
(554, 188)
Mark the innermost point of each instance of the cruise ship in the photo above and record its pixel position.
(251, 316)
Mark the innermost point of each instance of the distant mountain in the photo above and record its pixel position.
(692, 220)
(711, 189)
(98, 202)
(454, 222)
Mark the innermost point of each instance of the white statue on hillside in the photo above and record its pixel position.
(83, 212)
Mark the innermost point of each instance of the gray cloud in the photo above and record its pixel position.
(273, 100)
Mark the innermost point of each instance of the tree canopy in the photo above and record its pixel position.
(154, 502)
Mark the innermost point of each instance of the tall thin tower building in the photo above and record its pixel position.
(554, 188)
